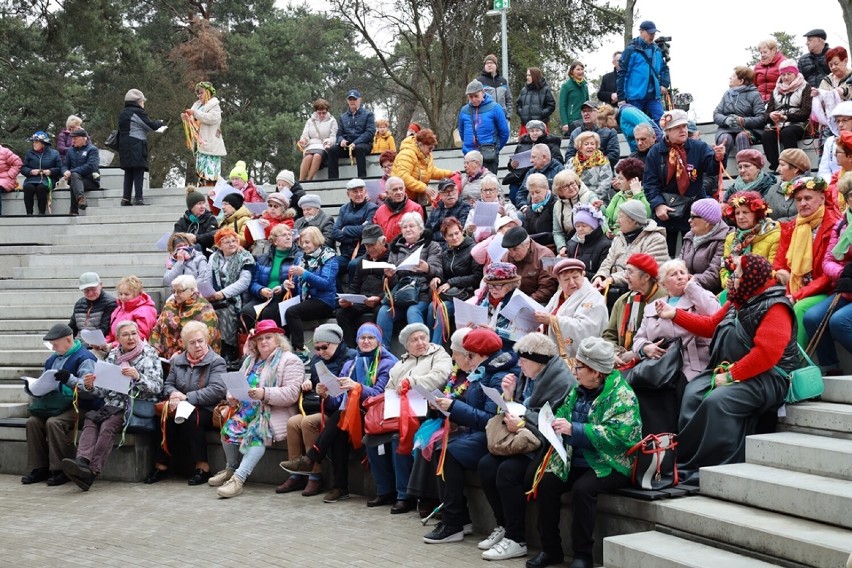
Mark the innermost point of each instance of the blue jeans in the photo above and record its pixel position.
(390, 469)
(242, 464)
(437, 324)
(650, 106)
(415, 313)
(839, 329)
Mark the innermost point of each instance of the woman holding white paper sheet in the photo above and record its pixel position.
(461, 276)
(138, 361)
(545, 379)
(274, 377)
(490, 192)
(185, 305)
(412, 238)
(501, 280)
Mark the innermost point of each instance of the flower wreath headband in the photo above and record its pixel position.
(753, 202)
(207, 86)
(812, 183)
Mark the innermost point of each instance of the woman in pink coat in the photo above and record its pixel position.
(10, 166)
(133, 305)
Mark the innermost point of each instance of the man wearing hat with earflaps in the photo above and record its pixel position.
(83, 161)
(50, 427)
(674, 175)
(483, 125)
(813, 64)
(526, 254)
(355, 132)
(366, 281)
(643, 74)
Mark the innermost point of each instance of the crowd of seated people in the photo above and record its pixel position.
(552, 293)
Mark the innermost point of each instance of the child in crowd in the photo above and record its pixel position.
(383, 140)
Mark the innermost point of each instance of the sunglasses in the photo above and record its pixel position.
(321, 348)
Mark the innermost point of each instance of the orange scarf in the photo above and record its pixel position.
(800, 255)
(677, 168)
(351, 421)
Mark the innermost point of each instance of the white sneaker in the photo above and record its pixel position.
(505, 549)
(496, 536)
(467, 529)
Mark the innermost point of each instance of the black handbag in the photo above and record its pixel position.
(488, 151)
(680, 204)
(406, 292)
(141, 416)
(111, 141)
(662, 373)
(655, 462)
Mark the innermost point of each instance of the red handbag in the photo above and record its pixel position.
(374, 420)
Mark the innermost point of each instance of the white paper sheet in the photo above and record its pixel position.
(371, 264)
(545, 426)
(163, 243)
(287, 304)
(108, 376)
(93, 337)
(431, 397)
(520, 310)
(256, 208)
(184, 409)
(415, 399)
(42, 385)
(237, 385)
(256, 229)
(162, 129)
(412, 260)
(205, 288)
(222, 189)
(485, 213)
(495, 248)
(467, 315)
(523, 159)
(354, 298)
(328, 379)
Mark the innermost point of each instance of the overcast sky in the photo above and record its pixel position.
(710, 39)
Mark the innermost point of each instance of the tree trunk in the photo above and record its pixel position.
(846, 7)
(629, 7)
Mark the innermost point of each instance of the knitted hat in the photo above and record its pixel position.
(514, 237)
(597, 353)
(536, 124)
(501, 272)
(457, 339)
(369, 329)
(278, 198)
(482, 341)
(414, 126)
(584, 215)
(310, 200)
(134, 96)
(751, 156)
(235, 200)
(644, 262)
(634, 209)
(492, 57)
(569, 264)
(788, 66)
(58, 331)
(286, 176)
(708, 209)
(536, 347)
(371, 234)
(239, 171)
(797, 158)
(193, 198)
(411, 328)
(328, 333)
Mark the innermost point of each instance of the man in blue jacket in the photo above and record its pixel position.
(643, 74)
(348, 228)
(355, 130)
(83, 161)
(483, 125)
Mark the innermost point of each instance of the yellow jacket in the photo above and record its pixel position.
(237, 222)
(382, 143)
(765, 244)
(416, 170)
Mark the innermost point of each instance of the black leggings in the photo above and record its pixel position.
(334, 441)
(33, 191)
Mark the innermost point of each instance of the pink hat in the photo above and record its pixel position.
(265, 326)
(569, 264)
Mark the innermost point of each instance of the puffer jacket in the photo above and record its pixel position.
(93, 315)
(814, 67)
(47, 159)
(460, 269)
(140, 310)
(705, 261)
(204, 228)
(186, 378)
(85, 161)
(349, 225)
(651, 240)
(766, 75)
(497, 87)
(796, 106)
(357, 128)
(592, 251)
(237, 222)
(196, 266)
(431, 253)
(318, 132)
(10, 167)
(133, 128)
(535, 103)
(416, 170)
(491, 125)
(383, 142)
(743, 102)
(765, 244)
(263, 270)
(321, 283)
(636, 79)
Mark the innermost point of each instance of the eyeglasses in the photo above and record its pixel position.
(321, 348)
(128, 334)
(497, 285)
(179, 290)
(578, 366)
(228, 242)
(488, 190)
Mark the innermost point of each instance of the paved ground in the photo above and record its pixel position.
(171, 524)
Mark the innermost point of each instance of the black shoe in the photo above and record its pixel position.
(403, 506)
(138, 201)
(544, 559)
(81, 202)
(581, 563)
(200, 477)
(78, 471)
(444, 533)
(73, 214)
(157, 475)
(126, 202)
(382, 500)
(37, 475)
(58, 478)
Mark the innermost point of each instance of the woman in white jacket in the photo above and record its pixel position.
(206, 116)
(319, 134)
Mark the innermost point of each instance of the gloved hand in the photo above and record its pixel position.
(62, 376)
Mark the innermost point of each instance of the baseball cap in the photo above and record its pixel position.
(353, 94)
(89, 280)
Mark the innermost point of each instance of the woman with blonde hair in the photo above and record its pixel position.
(205, 119)
(134, 305)
(592, 165)
(319, 134)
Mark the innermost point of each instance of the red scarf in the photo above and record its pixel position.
(630, 320)
(677, 167)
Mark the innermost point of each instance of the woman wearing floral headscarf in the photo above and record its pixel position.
(754, 231)
(203, 128)
(754, 338)
(804, 242)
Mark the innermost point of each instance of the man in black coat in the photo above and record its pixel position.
(355, 130)
(83, 161)
(608, 93)
(813, 64)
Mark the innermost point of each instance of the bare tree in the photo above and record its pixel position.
(846, 7)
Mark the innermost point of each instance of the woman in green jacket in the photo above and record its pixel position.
(574, 92)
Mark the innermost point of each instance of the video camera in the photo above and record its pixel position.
(664, 45)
